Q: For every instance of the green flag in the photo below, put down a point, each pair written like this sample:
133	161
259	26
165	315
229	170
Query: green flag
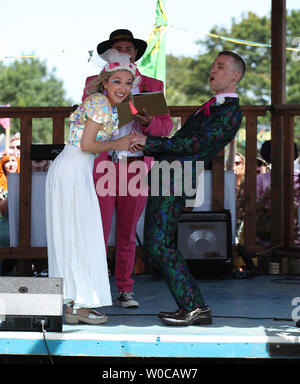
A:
154	59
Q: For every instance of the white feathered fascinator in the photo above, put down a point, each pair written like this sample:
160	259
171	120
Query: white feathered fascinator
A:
117	61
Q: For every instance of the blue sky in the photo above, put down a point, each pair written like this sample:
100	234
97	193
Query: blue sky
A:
63	31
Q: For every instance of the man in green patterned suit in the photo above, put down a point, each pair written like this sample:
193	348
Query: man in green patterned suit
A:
206	132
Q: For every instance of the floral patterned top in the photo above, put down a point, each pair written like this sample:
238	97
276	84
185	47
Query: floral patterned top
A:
97	108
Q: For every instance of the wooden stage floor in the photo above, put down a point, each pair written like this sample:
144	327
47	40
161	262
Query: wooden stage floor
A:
252	319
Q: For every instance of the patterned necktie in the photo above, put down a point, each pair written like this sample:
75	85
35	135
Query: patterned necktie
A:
206	106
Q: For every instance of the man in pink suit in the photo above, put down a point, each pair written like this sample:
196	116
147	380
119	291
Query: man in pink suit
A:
128	208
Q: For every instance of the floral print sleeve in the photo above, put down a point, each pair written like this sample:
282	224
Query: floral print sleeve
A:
97	108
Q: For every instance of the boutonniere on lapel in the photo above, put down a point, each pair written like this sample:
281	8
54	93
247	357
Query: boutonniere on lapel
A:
214	101
220	100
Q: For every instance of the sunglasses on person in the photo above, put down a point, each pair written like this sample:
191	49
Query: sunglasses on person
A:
237	162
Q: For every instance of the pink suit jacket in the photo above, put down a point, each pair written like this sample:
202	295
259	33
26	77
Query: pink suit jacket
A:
161	125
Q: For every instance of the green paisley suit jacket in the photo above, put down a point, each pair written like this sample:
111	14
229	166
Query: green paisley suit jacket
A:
203	135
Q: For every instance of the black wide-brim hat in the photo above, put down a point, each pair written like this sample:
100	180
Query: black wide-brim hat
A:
123	34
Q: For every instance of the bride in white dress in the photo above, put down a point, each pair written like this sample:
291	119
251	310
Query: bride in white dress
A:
76	249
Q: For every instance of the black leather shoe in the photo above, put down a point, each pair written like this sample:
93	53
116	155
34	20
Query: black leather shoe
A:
199	316
166	314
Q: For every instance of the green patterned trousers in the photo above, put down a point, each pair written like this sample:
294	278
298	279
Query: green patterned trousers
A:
160	228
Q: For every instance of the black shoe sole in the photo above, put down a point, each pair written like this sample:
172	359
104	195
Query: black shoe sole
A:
127	306
164	314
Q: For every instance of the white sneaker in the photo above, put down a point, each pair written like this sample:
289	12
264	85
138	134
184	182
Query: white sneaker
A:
126	300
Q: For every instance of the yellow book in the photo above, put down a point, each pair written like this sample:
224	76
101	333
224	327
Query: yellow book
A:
154	102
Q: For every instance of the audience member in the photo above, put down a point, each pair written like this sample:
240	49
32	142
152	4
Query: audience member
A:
239	168
261	166
15	144
263	200
9	163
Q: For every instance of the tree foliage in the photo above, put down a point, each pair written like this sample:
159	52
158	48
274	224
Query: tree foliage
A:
28	83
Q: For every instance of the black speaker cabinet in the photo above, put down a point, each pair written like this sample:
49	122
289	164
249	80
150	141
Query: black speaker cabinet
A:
205	240
45	151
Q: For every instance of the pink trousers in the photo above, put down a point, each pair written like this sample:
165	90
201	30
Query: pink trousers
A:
128	211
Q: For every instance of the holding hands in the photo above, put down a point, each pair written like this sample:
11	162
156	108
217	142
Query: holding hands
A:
138	142
124	143
133	142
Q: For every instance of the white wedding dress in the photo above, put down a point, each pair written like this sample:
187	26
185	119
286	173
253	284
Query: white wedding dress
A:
76	249
75	240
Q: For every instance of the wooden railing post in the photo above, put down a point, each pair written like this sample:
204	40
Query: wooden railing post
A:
251	114
250	181
58	130
278	96
25	183
288	181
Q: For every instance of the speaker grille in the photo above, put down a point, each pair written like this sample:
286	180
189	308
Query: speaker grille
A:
204	236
